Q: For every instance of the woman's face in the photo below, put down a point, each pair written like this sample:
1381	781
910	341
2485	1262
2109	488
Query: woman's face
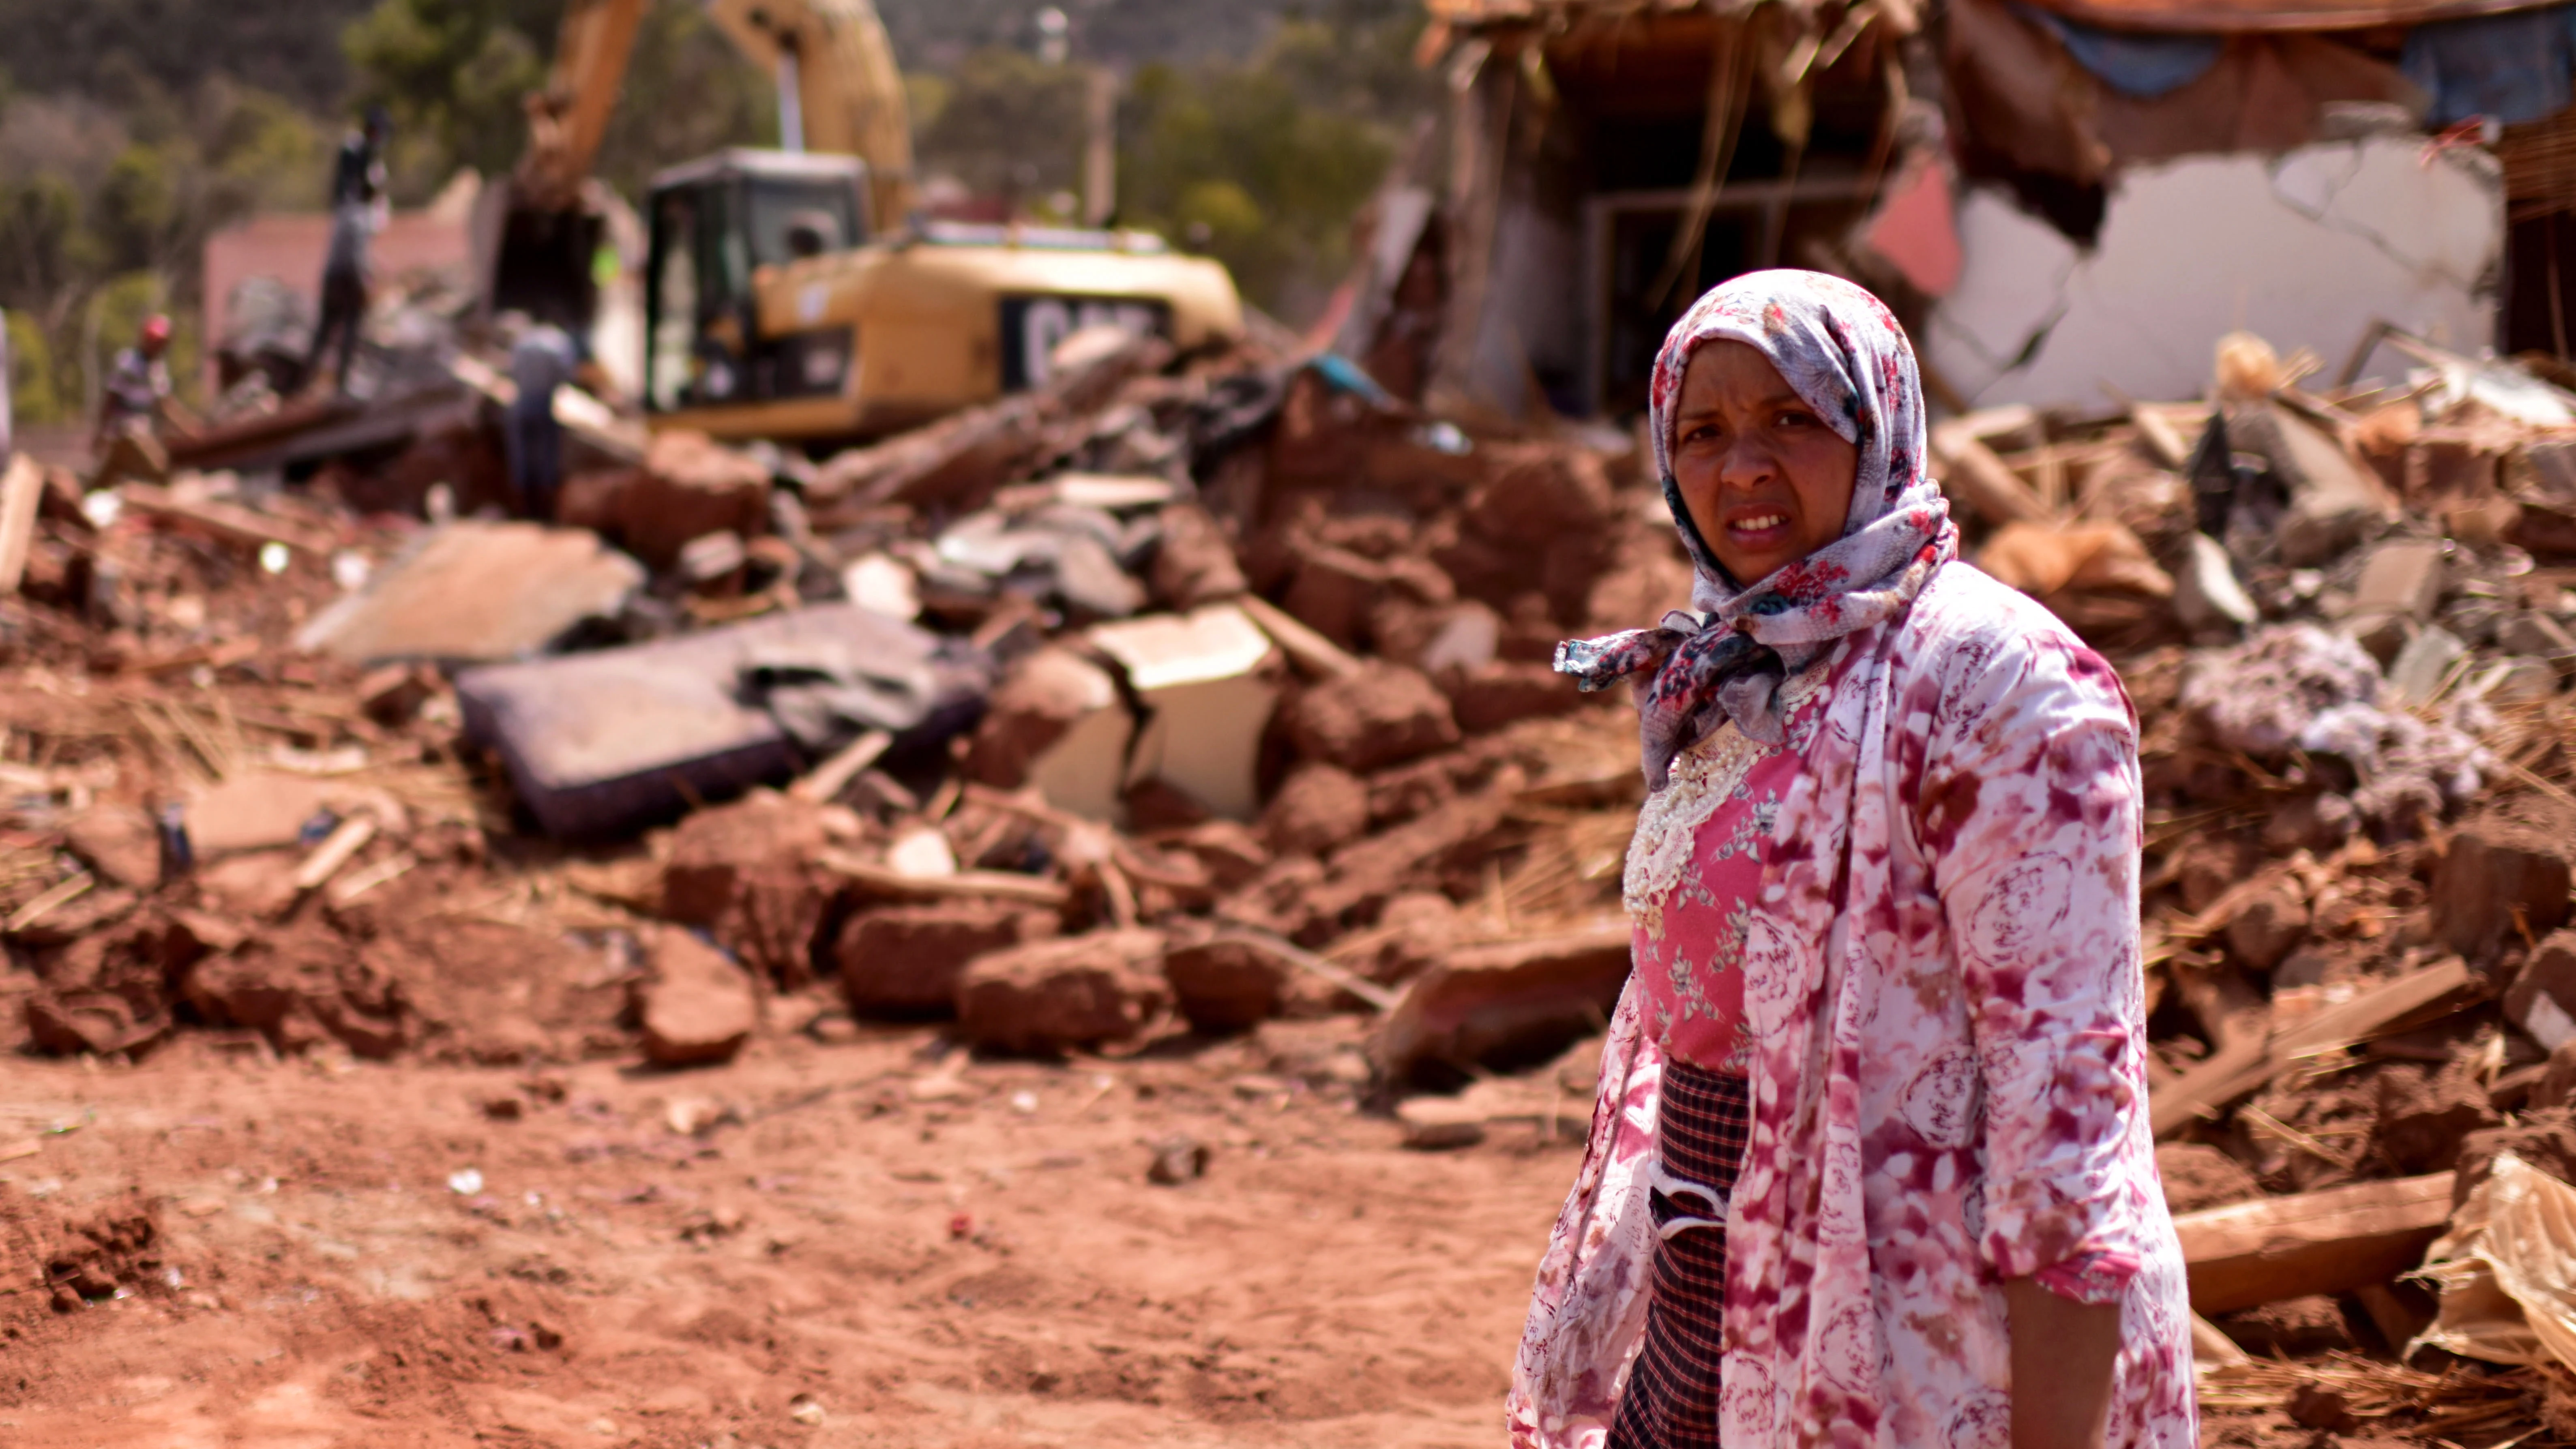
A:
1765	479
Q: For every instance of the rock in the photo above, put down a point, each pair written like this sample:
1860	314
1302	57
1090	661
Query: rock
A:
1500	1002
1089	580
715	850
2545	1137
2557	1084
2206	593
1366	872
2542	999
2520	680
2382	636
2197	1175
2401	576
257	812
1225	986
259	883
1438	1124
2315	823
1384	715
1502	692
1333	591
1177	1160
119	845
2424	1118
1318	807
2424	665
2533	633
1056	721
2312	1407
2268	927
905	959
2501	876
1049	996
1194	564
695	1007
745	872
2291	1328
97	1023
2332	497
689	487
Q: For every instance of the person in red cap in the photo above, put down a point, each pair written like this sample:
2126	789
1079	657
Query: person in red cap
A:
137	397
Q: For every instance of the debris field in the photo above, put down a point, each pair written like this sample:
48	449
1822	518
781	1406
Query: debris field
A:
1090	921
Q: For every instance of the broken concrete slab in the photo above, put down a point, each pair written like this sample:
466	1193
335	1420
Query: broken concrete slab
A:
2334	499
2402	576
2502	875
2305	248
608	741
475	592
2542	1000
2206	592
2424	666
1204	680
1057	722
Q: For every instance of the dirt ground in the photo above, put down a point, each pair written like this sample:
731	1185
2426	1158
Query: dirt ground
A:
873	1240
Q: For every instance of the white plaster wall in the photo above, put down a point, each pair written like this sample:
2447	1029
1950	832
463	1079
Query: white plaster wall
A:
2305	249
1530	319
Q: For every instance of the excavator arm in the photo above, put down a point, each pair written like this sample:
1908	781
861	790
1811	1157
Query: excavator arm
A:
569	118
838	85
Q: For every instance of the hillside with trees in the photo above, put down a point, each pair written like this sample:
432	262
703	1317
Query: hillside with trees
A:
1250	129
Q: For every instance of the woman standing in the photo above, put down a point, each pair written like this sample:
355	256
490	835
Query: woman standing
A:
1870	1163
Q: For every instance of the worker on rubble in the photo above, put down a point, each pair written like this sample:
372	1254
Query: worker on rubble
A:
137	394
543	357
359	209
1870	1161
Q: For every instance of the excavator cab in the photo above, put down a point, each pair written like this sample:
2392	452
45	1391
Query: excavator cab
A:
714	223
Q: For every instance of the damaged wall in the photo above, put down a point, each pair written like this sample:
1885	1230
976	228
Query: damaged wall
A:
2307	248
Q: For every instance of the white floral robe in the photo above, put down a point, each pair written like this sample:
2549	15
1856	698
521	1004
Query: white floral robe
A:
1949	1089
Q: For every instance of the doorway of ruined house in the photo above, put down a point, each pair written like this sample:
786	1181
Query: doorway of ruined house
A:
1630	238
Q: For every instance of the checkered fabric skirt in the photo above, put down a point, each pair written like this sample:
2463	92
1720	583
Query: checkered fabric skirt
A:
1671	1398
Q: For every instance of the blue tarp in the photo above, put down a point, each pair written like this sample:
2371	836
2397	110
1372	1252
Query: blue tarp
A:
2513	68
2144	66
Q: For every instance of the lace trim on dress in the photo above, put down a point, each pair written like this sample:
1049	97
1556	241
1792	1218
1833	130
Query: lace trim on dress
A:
1704	777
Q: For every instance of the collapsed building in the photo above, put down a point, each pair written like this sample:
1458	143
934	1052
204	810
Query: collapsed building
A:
2068	203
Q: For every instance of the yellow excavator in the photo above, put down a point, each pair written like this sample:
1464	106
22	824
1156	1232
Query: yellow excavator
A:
796	294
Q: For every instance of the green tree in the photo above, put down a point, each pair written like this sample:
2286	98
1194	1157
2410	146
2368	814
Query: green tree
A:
1263	164
35	390
1008	124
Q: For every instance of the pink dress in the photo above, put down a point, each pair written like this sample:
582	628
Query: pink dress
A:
1943	1040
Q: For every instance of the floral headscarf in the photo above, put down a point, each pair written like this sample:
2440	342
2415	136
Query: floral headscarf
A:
1843	353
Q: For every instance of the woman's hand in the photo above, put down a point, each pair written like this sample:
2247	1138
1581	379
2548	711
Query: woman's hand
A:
2062	1356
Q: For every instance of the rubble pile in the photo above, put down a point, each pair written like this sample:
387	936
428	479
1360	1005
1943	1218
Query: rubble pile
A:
2343	617
1181	694
1189	693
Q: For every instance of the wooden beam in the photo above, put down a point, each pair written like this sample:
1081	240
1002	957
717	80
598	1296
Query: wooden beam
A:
2248	1254
1972	474
2248	1061
1312	652
21	489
